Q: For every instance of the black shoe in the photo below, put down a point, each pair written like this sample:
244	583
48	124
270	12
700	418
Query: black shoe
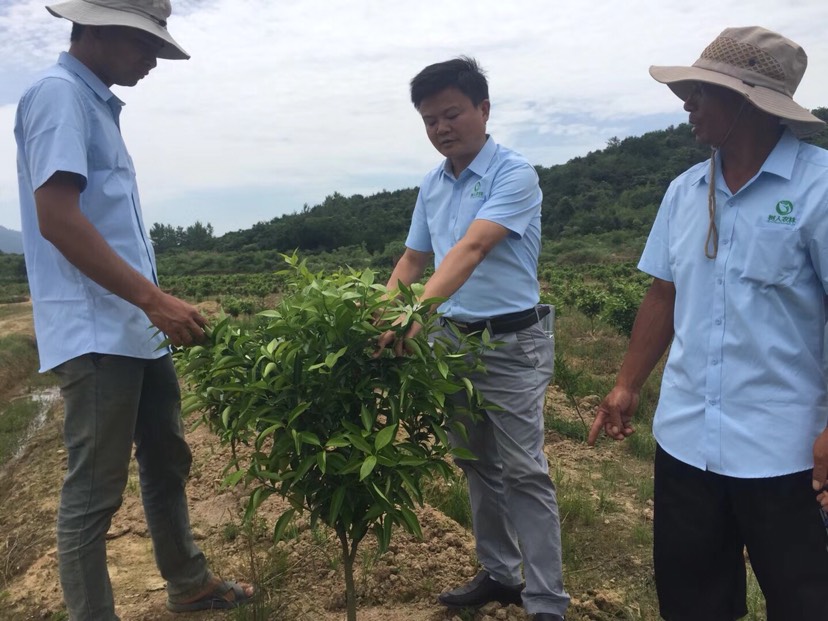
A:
482	590
547	616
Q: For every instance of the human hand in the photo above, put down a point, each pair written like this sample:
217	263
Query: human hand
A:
180	321
614	415
390	336
821	469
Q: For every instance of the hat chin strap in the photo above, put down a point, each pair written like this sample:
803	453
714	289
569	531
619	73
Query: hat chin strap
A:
712	231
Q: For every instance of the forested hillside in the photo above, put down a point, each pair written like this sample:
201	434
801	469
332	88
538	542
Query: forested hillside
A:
597	208
617	189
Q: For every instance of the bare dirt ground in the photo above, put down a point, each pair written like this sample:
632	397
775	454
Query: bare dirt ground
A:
302	577
16	319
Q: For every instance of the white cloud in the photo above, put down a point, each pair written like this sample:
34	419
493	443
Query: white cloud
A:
288	102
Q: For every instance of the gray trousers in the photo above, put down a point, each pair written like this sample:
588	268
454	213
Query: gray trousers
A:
112	402
514	506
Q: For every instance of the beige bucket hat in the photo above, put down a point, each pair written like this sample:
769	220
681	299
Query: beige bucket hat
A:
762	65
147	15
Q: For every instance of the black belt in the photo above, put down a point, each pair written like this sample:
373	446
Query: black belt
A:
511	322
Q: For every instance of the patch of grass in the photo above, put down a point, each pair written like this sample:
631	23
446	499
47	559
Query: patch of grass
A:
641	444
14	423
606	504
645	489
266	566
12	309
755	598
230	531
15	551
578	517
325	542
450	497
133	486
18	359
575	430
642	535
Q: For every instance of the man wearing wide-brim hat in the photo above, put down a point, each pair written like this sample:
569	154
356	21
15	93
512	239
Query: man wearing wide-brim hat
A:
739	258
93	282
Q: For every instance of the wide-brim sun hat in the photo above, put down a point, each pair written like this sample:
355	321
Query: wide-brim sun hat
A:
147	15
763	66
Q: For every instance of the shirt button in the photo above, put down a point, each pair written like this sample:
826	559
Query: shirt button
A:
713	402
715	362
719	281
725	242
718	322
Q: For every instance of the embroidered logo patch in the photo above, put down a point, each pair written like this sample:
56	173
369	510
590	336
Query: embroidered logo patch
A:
784	209
476	192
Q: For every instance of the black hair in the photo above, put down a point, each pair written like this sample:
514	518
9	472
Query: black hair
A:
77	31
462	73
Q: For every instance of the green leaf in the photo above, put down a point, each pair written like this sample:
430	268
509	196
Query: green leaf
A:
367	467
338	441
234	478
379	493
384	536
384	437
412	524
359	442
258	496
463	453
331	359
336	504
413	488
309	437
282	523
443	368
367	418
298	411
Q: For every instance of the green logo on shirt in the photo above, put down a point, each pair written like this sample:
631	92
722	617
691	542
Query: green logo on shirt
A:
476	193
784	209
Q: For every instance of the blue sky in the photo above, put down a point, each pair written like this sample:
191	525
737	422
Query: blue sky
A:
285	103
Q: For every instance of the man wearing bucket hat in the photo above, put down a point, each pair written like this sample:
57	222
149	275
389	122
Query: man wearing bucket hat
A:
94	291
739	256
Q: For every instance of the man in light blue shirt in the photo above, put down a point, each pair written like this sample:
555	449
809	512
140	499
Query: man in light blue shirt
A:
478	216
100	318
739	256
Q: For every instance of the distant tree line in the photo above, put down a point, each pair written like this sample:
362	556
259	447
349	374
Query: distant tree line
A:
596	208
195	237
614	190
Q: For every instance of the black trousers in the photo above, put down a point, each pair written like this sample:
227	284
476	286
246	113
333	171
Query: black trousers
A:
703	523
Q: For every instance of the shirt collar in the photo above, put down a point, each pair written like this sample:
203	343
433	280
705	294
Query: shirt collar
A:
480	164
73	65
780	161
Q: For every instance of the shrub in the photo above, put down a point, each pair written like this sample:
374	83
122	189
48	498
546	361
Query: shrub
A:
339	433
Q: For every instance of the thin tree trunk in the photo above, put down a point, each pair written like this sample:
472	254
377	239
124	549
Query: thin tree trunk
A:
348	556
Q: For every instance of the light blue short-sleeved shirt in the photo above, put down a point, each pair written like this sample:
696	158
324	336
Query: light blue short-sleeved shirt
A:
68	121
744	390
499	186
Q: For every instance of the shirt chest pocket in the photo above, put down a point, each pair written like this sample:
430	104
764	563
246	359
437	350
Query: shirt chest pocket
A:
107	151
773	258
